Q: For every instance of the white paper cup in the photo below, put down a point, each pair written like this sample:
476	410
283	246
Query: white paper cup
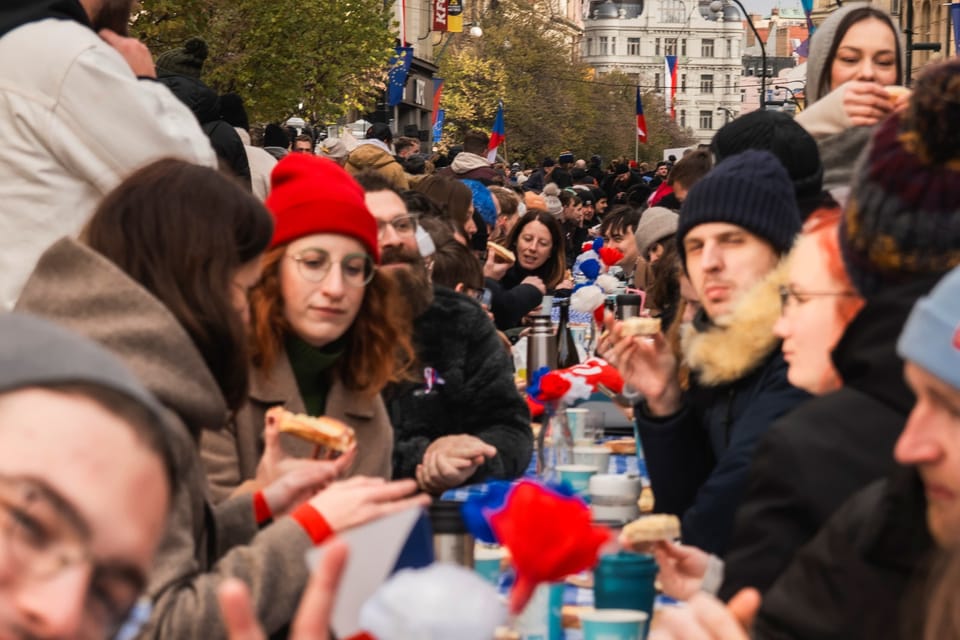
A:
577	476
613	497
613	624
577	421
592	456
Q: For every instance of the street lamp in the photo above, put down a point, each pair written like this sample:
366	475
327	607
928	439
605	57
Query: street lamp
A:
717	6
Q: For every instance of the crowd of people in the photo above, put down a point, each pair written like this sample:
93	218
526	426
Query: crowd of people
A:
165	282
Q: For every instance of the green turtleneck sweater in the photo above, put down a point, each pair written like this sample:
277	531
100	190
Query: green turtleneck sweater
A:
311	367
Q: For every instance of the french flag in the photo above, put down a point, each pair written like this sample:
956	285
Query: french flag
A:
497	136
670	85
641	121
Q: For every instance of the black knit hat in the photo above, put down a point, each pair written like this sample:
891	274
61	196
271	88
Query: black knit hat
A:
778	133
186	60
751	190
903	217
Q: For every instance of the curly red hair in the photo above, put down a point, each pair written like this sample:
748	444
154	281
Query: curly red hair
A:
379	349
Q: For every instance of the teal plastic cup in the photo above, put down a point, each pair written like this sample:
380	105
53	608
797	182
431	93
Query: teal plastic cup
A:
578	477
625	581
614	624
487	560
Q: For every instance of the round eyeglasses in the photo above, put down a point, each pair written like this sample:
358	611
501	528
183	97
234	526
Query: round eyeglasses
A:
356	269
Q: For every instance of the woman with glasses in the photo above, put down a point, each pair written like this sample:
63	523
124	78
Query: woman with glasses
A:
324	340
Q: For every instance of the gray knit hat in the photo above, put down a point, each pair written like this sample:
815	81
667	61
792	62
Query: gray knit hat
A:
655	224
931	337
186	60
37	353
751	190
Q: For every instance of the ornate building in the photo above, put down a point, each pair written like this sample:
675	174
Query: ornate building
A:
634	37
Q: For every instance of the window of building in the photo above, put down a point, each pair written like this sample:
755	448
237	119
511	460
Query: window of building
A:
656	82
706	119
604	45
729	83
706	83
683	118
589	46
706	48
672	11
683	46
669	46
613	46
656	46
683	82
633	46
730	48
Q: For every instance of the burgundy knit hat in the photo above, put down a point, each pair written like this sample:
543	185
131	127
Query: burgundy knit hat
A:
314	195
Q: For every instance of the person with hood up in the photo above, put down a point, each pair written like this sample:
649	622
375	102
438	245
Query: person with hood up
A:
375	153
261	161
80	112
471	163
855	56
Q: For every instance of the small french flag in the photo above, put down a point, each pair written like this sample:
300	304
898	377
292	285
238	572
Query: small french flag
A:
497	136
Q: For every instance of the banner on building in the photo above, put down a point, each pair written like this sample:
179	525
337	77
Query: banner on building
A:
438	117
399	70
455	16
439	15
497	135
670	85
437	96
641	121
955	17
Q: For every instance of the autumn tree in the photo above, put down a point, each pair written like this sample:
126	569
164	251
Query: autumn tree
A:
552	102
330	56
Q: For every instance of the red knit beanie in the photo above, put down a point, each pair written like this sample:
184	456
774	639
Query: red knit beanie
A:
314	195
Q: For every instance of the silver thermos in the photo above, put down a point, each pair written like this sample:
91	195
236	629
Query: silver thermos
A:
628	305
452	542
541	341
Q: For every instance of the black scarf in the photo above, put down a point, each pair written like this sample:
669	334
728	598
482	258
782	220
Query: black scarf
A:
16	13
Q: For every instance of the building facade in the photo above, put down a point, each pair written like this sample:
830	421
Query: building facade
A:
634	37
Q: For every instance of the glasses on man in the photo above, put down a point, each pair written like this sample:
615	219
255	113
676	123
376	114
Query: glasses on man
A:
483	296
790	295
404	225
40	538
356	269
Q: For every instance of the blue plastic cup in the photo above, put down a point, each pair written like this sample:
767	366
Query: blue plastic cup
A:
625	581
613	624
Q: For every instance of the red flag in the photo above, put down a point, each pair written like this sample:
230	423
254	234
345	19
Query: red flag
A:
641	120
498	135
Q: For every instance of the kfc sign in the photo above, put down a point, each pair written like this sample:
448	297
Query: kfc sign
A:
440	15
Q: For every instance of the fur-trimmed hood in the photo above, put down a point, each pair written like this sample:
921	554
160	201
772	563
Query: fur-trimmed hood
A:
736	344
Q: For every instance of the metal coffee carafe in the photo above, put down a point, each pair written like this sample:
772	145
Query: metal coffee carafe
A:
541	341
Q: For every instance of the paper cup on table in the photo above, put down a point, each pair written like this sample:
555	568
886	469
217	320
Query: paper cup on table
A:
613	624
488	560
592	456
577	421
577	476
613	497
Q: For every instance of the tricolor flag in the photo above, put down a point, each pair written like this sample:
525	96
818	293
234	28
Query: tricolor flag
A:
437	96
641	121
670	86
497	136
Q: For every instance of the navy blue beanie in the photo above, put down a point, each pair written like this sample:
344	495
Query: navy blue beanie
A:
751	190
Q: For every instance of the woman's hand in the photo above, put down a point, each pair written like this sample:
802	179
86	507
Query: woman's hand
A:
682	568
493	269
287	481
866	102
647	364
313	615
449	461
535	282
705	618
359	500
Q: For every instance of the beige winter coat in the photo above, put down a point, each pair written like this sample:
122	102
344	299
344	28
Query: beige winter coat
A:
371	156
85	292
230	455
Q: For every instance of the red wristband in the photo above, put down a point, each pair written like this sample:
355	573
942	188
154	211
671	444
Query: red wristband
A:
312	522
261	510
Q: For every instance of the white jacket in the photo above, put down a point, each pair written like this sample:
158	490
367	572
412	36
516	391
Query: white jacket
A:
74	122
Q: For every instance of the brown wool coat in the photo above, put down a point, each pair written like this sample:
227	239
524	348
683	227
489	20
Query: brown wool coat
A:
230	455
81	290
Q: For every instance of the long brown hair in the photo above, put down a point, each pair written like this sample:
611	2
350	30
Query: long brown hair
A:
555	268
378	351
182	231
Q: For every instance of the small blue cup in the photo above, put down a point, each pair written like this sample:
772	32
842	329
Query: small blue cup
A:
625	581
614	624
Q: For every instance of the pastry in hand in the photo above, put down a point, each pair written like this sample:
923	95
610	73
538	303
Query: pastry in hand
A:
652	528
640	326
